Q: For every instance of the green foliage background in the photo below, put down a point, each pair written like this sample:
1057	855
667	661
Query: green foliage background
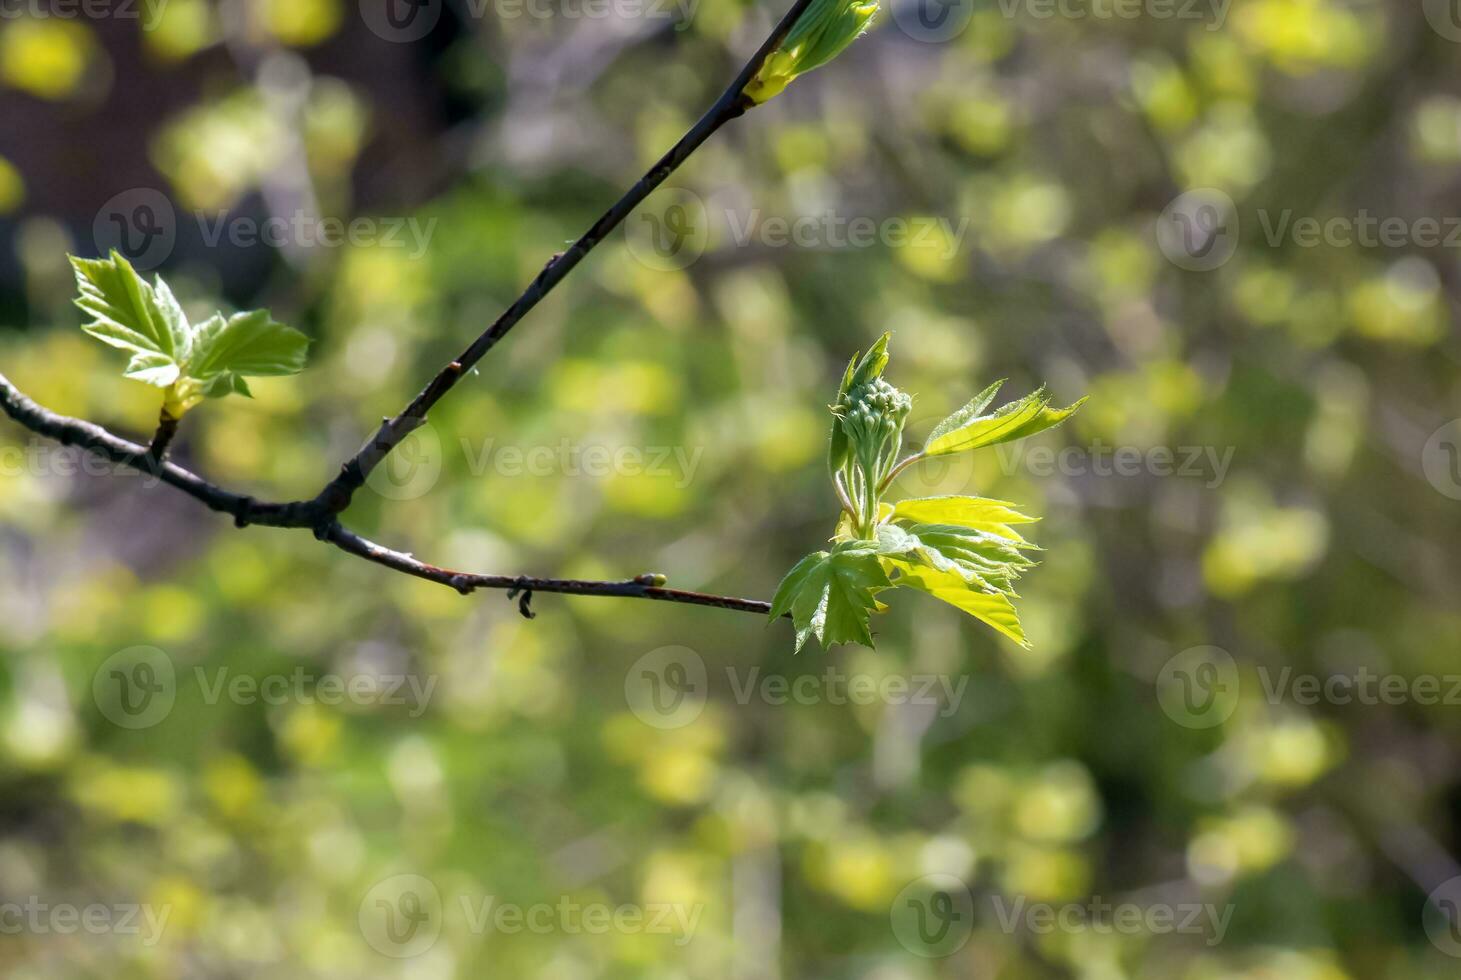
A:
1323	547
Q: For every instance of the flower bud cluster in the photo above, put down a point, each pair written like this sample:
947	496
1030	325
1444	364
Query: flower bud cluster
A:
872	414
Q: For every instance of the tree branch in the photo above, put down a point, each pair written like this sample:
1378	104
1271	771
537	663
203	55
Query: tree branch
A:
732	104
468	582
320	514
246	510
87	435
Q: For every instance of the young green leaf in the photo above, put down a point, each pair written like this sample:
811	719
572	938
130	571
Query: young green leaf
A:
129	314
979	513
870	368
996	610
837	444
893	540
1010	422
247	344
226	384
155	369
968	413
820	34
190	363
832	594
984	560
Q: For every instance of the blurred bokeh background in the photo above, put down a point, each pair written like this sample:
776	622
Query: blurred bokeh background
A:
1233	225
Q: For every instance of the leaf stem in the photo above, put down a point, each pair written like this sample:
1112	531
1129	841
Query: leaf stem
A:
842	497
893	473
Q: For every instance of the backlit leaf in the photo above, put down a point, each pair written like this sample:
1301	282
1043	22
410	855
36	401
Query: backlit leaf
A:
994	609
129	314
1010	422
831	595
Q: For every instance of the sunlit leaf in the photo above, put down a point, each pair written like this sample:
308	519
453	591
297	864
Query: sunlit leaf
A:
994	609
968	413
980	513
1010	422
831	595
154	369
190	363
247	344
983	560
128	313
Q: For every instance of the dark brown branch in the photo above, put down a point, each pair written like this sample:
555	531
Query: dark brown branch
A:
167	430
308	514
468	582
77	432
320	513
732	104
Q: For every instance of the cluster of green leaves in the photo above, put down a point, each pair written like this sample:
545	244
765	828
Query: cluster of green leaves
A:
963	550
190	362
819	35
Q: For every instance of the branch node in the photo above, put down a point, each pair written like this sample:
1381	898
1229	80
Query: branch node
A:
241	512
463	584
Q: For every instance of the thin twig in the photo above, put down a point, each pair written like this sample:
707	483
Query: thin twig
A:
732	104
468	582
307	514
